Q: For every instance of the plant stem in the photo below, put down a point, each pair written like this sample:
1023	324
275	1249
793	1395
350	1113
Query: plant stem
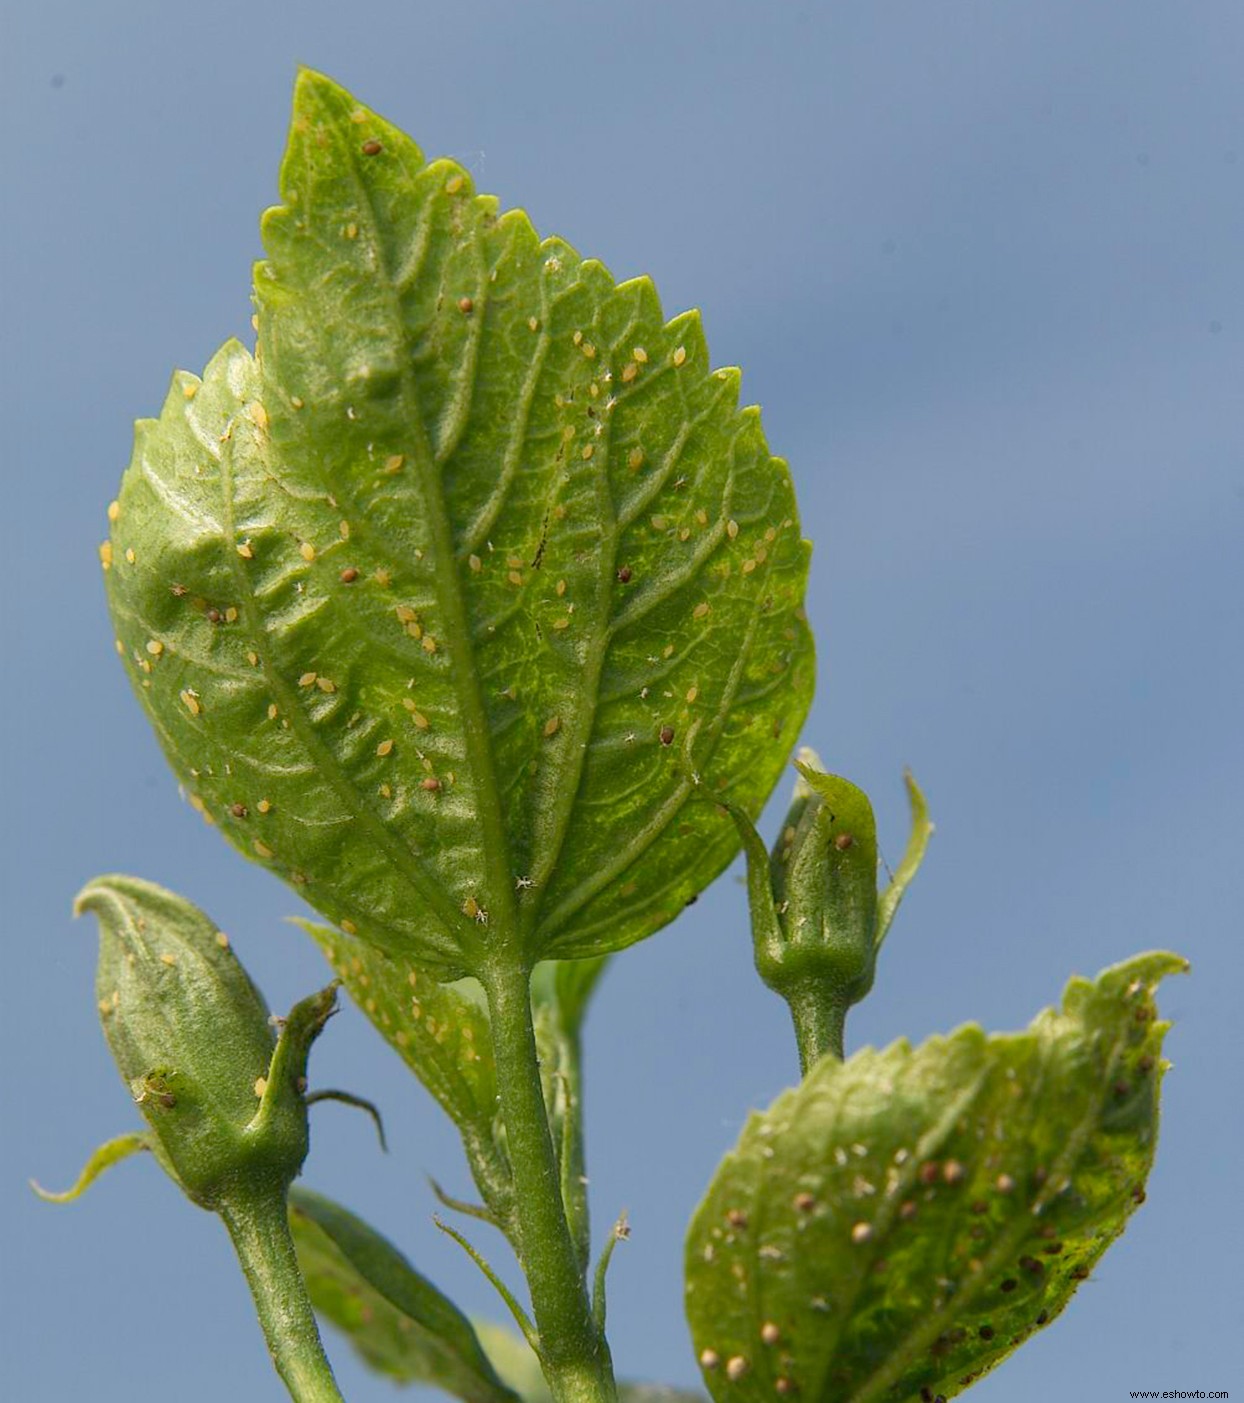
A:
573	1353
259	1228
820	1022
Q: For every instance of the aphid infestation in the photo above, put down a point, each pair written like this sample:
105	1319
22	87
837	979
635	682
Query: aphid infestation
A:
470	603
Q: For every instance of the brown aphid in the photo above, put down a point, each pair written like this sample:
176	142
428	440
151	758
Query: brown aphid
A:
930	1172
736	1218
239	810
624	575
214	616
430	783
348	575
1008	1285
1043	1317
1032	1265
986	1332
805	1202
667	735
371	147
466	305
844	841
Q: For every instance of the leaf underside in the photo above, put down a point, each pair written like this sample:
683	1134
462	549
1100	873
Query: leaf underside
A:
457	603
400	1324
899	1223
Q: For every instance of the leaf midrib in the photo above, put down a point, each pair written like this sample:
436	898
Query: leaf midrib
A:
448	586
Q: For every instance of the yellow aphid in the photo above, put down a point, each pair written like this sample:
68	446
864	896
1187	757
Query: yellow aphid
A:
307	679
307	551
635	459
640	355
393	462
105	554
475	563
190	389
155	647
453	185
384	747
245	551
629	371
325	685
231	615
262	848
264	806
222	940
699	611
429	643
114	511
190	702
552	725
732	528
680	355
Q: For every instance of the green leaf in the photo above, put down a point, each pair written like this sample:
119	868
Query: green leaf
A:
899	1223
397	1321
452	605
441	1031
518	1366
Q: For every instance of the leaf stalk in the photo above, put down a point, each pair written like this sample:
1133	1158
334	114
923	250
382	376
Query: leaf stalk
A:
573	1352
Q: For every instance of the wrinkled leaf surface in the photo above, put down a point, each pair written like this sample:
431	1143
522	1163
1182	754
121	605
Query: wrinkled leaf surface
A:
902	1221
454	604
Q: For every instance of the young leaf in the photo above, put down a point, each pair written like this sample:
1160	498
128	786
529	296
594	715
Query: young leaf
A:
441	606
899	1223
398	1321
441	1032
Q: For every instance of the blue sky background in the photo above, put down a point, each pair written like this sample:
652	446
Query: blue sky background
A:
981	263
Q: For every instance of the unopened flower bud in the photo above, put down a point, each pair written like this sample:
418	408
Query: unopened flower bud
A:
194	1043
818	919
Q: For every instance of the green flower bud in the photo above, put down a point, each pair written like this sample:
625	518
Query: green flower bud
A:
195	1045
818	919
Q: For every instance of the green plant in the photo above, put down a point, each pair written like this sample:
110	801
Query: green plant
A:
471	605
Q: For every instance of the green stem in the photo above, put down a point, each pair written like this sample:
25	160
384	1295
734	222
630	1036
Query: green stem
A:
573	1353
259	1227
820	1022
